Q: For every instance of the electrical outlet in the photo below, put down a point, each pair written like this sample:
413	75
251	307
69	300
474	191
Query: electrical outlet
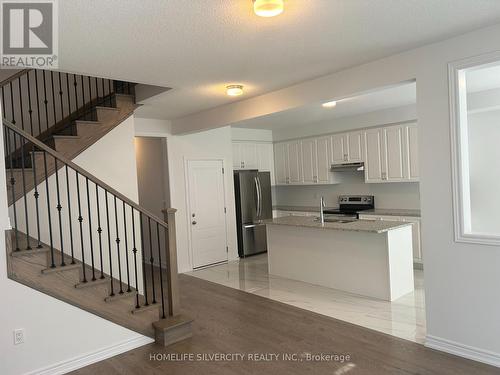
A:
18	336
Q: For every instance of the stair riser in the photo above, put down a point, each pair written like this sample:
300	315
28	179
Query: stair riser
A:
88	130
124	101
106	116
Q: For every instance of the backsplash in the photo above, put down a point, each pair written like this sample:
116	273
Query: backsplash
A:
389	195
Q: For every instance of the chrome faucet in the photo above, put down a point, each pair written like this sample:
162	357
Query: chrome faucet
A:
321	213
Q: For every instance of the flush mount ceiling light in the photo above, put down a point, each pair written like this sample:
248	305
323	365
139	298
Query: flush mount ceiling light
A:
267	8
234	90
331	104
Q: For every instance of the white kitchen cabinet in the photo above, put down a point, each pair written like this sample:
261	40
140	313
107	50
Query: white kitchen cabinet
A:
237	161
355	147
265	159
339	148
282	172
309	161
393	159
411	142
245	155
373	152
416	239
324	159
295	162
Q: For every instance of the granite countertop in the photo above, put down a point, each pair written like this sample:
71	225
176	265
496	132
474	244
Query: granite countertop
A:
370	226
302	208
392	212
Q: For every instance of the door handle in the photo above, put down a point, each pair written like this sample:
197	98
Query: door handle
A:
193	222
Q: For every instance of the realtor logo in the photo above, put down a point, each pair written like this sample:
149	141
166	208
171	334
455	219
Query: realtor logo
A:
29	34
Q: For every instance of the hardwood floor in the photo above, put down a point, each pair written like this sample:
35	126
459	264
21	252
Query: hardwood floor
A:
231	321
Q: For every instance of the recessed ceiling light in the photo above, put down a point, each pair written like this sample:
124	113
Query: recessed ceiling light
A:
268	8
330	104
234	90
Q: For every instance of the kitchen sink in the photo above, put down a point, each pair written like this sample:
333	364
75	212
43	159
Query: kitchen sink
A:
337	220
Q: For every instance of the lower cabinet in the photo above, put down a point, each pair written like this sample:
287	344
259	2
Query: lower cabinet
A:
417	245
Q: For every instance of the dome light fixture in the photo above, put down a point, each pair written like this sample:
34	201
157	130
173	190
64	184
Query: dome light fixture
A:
234	90
331	104
268	8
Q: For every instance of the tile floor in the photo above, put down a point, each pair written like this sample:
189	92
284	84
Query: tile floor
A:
404	318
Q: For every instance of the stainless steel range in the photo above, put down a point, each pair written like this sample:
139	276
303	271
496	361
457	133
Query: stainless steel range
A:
349	206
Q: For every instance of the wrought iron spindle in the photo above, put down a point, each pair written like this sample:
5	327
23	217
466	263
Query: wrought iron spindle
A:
61	95
110	91
68	93
53	96
145	285
47	193
4	114
70	217
12	185
12	104
36	195
90	89
134	250
90	229
30	109
26	217
45	101
38	103
80	220
20	102
109	244
118	247
97	90
59	208
75	85
126	246
99	229
83	91
151	261
160	270
103	89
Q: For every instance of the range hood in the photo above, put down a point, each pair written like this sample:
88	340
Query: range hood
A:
348	167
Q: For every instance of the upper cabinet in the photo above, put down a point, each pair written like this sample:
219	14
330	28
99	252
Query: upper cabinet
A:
254	155
281	170
295	162
347	148
391	154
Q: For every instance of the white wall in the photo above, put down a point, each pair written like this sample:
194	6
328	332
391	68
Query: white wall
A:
214	144
257	135
56	332
461	280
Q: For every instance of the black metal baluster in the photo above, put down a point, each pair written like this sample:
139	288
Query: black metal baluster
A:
110	91
103	89
30	110
4	115
59	208
160	270
21	103
80	219
53	96
70	217
151	261
99	229
90	230
126	246
75	84
45	101
145	285
109	244
90	89
97	90
12	184
28	246
134	250
36	195
38	102
12	104
61	95
83	91
118	247
68	93
47	193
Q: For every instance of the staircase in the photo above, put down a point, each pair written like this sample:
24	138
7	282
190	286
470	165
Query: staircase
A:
74	237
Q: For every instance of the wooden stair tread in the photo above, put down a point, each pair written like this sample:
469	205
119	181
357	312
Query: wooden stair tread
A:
119	296
59	268
151	306
20	253
91	283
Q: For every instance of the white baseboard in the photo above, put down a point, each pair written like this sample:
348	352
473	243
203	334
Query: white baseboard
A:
92	357
469	352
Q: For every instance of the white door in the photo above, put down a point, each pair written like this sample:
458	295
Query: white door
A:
207	219
249	155
339	149
295	162
281	163
323	147
373	159
393	139
237	161
412	152
355	149
309	162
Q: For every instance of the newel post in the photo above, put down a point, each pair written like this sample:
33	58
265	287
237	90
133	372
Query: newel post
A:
172	273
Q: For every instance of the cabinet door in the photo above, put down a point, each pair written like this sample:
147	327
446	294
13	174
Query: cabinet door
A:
309	161
393	147
249	155
281	163
265	157
339	149
295	162
412	152
237	162
323	152
373	158
355	149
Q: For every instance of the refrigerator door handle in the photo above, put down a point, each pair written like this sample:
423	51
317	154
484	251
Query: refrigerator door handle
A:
257	191
260	196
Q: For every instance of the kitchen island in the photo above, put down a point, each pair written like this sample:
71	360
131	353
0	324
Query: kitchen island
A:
369	258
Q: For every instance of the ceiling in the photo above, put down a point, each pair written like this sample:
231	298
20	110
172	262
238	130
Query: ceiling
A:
196	47
314	113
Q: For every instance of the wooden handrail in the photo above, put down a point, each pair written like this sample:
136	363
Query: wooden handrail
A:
14	76
83	172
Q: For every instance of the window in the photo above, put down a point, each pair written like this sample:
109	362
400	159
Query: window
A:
475	129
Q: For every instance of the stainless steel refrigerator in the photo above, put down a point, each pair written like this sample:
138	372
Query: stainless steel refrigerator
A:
253	205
